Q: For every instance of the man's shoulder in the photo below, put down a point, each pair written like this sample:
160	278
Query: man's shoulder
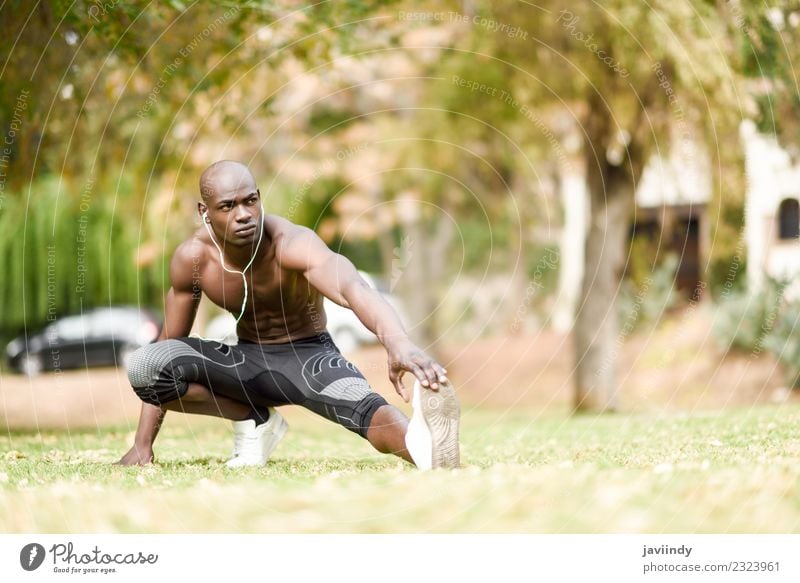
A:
192	251
295	245
283	230
279	225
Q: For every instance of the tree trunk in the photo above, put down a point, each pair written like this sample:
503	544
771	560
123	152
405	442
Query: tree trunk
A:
520	244
385	234
596	328
412	272
611	189
438	277
419	271
572	246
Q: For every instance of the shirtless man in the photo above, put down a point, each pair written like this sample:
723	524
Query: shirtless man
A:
284	354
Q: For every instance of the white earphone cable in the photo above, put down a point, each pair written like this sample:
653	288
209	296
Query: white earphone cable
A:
222	259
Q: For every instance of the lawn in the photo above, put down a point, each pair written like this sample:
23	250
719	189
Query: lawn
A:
735	471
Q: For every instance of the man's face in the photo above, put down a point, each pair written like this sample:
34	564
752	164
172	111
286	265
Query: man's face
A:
235	214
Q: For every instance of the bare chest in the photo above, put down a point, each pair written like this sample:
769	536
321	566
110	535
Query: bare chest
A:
268	287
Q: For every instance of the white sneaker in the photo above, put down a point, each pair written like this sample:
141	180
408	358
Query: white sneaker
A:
432	435
253	445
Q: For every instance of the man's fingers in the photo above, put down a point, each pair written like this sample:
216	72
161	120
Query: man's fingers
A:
419	372
397	381
401	389
441	372
426	365
430	373
427	376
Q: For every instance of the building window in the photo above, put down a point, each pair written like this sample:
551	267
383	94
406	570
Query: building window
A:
789	219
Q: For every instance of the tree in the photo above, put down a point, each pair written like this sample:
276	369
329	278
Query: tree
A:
110	111
629	74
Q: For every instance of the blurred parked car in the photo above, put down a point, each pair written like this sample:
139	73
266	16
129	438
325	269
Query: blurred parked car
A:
98	337
344	326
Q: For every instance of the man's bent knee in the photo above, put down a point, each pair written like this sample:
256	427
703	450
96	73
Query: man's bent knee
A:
364	412
153	375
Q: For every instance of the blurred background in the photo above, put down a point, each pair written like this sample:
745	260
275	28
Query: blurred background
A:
575	206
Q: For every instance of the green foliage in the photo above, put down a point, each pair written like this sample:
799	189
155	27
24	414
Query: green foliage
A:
643	255
762	48
765	321
66	251
316	201
645	301
728	262
765	121
768	42
365	255
744	320
783	342
483	243
326	119
543	266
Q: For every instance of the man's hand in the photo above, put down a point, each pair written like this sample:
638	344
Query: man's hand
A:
405	356
137	456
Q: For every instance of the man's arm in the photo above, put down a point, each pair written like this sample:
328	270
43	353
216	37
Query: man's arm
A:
336	278
179	313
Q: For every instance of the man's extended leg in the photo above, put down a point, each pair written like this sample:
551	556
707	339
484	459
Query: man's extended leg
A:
317	376
430	439
387	431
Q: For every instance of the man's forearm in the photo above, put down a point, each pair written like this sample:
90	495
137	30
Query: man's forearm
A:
150	421
150	418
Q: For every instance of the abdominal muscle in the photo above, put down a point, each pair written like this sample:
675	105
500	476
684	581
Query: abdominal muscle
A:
276	312
270	326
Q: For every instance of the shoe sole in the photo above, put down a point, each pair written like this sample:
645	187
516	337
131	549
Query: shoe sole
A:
442	412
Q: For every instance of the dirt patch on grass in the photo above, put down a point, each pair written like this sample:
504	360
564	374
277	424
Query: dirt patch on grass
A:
673	365
69	399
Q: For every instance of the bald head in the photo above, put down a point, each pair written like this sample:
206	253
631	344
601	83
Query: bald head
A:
226	177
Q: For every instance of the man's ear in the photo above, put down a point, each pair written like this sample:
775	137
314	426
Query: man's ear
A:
201	208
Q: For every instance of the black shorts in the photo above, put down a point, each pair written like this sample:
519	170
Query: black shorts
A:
310	372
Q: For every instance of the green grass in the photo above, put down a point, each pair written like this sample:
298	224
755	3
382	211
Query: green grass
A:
723	472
